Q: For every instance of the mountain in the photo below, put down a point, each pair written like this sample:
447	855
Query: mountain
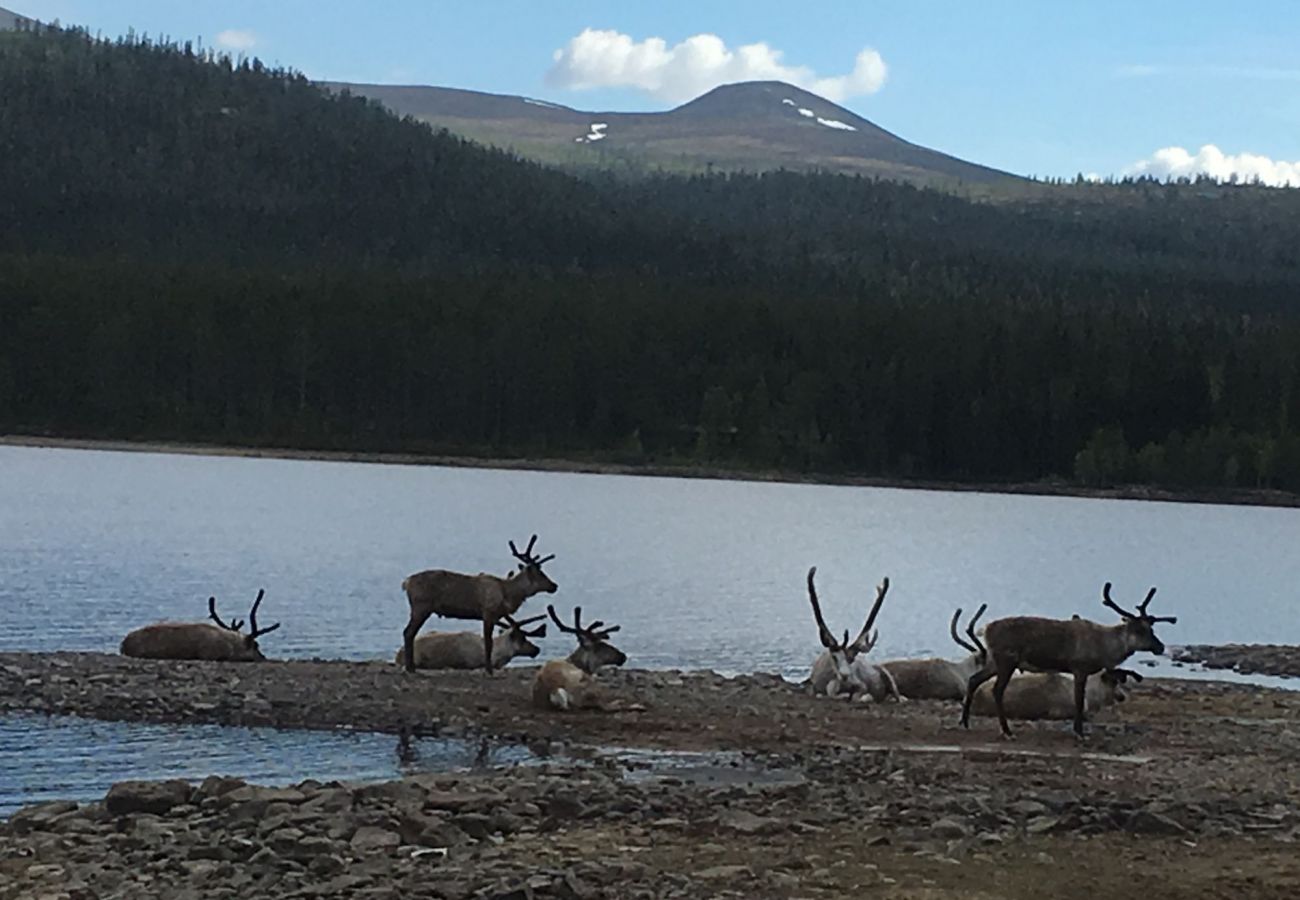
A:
10	21
755	126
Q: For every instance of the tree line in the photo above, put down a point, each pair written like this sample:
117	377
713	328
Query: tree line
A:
198	248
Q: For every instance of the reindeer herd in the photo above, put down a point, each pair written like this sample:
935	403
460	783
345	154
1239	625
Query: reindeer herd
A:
1040	668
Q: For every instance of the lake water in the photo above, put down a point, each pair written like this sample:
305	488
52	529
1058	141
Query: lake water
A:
700	574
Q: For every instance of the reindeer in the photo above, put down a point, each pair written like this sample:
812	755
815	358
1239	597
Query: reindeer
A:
1075	646
482	596
842	666
464	650
1050	695
199	640
941	679
565	684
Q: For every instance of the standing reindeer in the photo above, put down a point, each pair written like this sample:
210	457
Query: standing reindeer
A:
842	667
464	650
482	596
941	679
199	640
1075	646
565	684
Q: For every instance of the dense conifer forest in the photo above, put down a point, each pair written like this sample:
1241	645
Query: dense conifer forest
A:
196	248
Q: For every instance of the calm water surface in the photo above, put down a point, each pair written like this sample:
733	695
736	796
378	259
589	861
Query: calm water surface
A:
699	573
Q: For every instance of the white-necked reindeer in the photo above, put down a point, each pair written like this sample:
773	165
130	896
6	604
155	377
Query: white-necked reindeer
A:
464	649
566	684
941	679
842	668
1050	695
483	596
200	640
1074	646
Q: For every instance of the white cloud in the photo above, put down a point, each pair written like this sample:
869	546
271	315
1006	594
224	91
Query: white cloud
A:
1210	160
236	39
611	59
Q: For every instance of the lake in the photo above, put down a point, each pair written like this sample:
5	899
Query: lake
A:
699	573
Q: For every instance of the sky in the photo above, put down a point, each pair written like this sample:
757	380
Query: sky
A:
1036	87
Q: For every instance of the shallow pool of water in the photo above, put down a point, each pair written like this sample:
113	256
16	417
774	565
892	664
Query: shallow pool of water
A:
67	758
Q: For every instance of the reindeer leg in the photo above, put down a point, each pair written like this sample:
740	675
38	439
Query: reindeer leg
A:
1080	691
413	626
999	691
972	685
488	625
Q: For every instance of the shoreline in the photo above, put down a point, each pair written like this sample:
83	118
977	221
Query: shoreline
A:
1261	497
815	798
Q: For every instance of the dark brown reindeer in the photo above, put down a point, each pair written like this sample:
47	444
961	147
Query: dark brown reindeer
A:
199	640
1074	646
486	597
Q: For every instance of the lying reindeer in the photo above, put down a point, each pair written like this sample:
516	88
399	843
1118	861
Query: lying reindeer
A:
482	596
940	679
1075	646
199	640
571	683
843	667
1050	695
464	650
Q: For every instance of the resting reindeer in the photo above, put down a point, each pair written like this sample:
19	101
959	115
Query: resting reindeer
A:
842	667
464	649
940	679
199	640
1076	646
1050	695
570	683
482	596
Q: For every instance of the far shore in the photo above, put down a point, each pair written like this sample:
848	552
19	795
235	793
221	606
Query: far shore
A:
1222	496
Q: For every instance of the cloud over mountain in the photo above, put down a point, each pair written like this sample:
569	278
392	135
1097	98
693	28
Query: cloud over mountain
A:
237	39
608	58
1210	160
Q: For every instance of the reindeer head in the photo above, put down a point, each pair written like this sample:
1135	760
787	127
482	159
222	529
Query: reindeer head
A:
1114	682
1138	626
517	635
844	652
975	646
251	650
530	569
594	649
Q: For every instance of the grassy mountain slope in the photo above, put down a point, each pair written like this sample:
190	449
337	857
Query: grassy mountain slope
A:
754	126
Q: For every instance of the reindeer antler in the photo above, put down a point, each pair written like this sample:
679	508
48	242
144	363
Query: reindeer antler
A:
527	557
234	625
1141	610
511	622
862	641
252	618
970	631
824	633
1106	601
952	630
592	632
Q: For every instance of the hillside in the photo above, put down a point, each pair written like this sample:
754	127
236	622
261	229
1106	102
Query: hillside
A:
754	126
197	249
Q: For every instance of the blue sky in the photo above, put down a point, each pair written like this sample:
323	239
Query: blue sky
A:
1045	88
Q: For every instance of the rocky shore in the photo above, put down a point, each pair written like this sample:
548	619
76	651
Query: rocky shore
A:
1187	789
1249	659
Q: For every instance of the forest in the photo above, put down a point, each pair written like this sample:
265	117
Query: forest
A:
199	248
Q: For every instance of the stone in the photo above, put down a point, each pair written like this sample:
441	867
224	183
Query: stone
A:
1145	821
371	839
155	797
40	816
725	872
744	822
949	828
476	825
